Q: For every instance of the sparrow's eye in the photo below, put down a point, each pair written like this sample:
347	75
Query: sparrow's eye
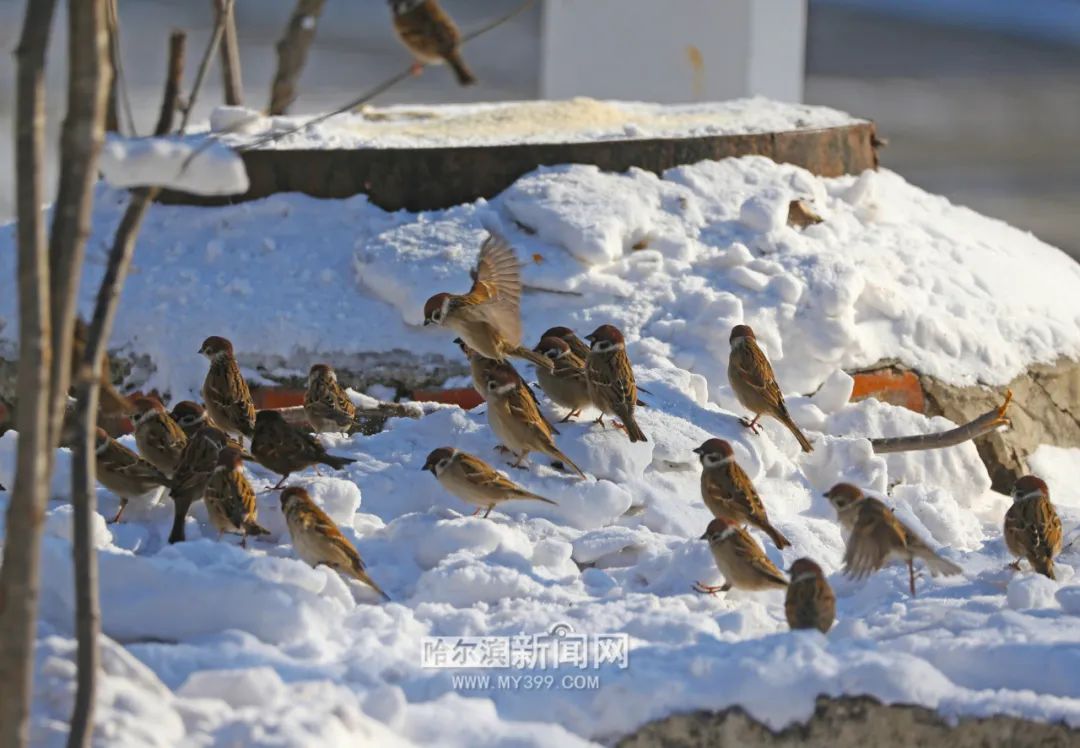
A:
442	464
493	385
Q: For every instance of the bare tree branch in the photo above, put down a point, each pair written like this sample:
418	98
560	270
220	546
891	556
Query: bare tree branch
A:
119	80
292	51
19	573
230	53
984	424
173	80
204	65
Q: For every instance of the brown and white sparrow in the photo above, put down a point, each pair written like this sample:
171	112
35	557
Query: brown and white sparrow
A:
225	391
566	385
326	405
430	35
1032	526
729	493
230	499
479	366
740	559
283	448
516	419
877	536
197	463
810	603
159	438
752	380
577	346
488	318
123	472
110	401
317	540
474	481
189	416
610	379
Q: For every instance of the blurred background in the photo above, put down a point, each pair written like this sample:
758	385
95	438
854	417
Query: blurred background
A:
979	99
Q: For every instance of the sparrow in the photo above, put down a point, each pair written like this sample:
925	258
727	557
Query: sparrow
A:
566	385
740	559
479	366
754	384
810	602
729	493
1032	526
577	346
110	401
488	318
230	499
197	463
317	540
159	438
610	379
189	416
430	35
283	448
225	392
326	405
516	419
876	536
474	481
123	472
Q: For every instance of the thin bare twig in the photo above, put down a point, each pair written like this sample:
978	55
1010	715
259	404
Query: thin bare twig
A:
115	56
984	424
230	54
204	65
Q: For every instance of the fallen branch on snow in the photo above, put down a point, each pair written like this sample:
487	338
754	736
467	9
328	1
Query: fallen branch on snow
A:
984	424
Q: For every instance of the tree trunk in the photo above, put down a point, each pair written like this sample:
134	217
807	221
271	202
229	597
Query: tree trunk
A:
174	79
230	52
22	548
292	51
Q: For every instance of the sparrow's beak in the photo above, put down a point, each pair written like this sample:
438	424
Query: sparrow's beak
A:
697	450
429	466
459	341
704	535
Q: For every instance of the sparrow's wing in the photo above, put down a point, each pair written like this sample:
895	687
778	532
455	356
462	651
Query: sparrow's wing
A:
495	296
756	371
736	484
613	377
479	473
165	435
123	461
1047	519
329	403
876	534
336	549
522	404
747	549
230	391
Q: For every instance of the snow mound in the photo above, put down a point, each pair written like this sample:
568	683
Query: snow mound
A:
208	168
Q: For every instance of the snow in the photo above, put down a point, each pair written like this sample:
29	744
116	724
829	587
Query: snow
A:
207	643
174	164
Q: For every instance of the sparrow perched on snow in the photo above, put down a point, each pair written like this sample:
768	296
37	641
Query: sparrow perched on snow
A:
479	366
283	448
566	385
729	493
326	405
488	318
110	401
197	463
740	559
876	536
430	35
810	603
159	438
225	392
610	379
317	540
230	499
754	384
189	416
1032	526
577	346
474	481
123	472
516	419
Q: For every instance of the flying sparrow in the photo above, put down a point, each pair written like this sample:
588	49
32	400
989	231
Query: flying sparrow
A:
729	493
230	499
326	405
317	540
566	385
474	481
754	384
225	392
876	536
197	463
110	401
610	379
1032	526
516	419
577	346
488	318
430	35
189	416
123	472
740	559
810	602
159	438
283	448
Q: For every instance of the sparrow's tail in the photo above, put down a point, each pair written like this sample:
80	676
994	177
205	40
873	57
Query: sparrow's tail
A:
939	565
1044	565
363	577
632	429
775	536
566	461
528	495
251	527
532	357
464	75
335	461
799	435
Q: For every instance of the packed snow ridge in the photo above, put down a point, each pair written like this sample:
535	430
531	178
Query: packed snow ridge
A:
210	643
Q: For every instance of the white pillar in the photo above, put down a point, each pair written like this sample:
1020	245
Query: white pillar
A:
673	51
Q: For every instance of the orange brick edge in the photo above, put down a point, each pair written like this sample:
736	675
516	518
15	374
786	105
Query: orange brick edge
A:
891	386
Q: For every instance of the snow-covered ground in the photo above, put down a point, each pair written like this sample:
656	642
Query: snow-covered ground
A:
208	643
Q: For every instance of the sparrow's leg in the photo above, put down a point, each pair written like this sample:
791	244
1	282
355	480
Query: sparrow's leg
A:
417	68
280	483
711	589
243	540
502	449
478	510
600	419
752	425
317	471
517	463
570	415
1014	565
911	576
488	511
618	425
119	512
